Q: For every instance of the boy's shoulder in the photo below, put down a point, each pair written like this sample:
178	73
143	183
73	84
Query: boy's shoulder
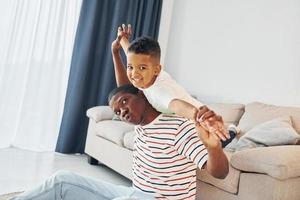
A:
163	86
163	78
164	75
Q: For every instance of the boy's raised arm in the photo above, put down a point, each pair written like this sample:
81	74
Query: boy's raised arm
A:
120	72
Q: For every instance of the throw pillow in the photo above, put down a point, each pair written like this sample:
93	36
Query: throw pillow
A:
275	132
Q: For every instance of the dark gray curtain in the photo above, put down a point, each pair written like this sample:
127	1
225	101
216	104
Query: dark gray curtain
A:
92	74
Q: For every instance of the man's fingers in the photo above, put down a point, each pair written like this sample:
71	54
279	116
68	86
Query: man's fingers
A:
201	130
214	123
124	27
226	133
215	136
125	31
120	30
119	37
220	135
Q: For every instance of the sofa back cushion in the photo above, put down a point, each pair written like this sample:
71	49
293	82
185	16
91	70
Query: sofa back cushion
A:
113	131
257	113
128	140
231	113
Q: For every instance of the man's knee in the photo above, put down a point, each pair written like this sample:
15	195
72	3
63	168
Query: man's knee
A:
62	176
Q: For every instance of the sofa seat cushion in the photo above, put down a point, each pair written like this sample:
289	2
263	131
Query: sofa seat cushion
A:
281	162
257	113
113	131
129	140
231	113
229	184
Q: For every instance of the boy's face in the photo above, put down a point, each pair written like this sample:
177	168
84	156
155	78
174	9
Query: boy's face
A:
129	107
142	69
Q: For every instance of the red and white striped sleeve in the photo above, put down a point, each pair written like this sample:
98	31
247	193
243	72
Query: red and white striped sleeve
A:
188	144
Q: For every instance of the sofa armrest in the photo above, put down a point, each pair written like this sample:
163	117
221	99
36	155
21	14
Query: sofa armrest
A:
100	113
281	162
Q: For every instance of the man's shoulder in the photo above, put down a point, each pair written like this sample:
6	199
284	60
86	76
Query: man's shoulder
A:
165	120
172	116
175	118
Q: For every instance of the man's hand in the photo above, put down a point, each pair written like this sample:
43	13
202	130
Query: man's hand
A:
123	35
217	163
116	45
124	32
211	122
209	139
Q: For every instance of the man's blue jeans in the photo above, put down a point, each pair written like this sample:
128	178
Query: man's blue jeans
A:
70	186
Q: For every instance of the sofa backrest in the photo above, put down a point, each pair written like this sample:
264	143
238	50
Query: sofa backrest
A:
257	113
231	113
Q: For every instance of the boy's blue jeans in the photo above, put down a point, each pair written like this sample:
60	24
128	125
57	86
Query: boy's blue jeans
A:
70	186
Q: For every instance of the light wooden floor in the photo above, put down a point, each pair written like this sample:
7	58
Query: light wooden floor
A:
21	169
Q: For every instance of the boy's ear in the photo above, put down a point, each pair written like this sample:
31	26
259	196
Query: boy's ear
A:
157	69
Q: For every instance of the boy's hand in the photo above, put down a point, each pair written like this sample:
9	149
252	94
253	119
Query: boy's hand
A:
211	122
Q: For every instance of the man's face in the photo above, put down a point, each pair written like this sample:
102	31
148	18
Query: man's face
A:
129	107
142	69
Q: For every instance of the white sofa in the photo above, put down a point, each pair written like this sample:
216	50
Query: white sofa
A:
264	173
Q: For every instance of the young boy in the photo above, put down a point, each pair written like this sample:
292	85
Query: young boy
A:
164	94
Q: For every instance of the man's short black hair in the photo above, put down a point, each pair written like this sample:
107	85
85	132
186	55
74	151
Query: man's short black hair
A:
128	88
145	45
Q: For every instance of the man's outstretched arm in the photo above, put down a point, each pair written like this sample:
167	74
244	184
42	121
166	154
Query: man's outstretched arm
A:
217	163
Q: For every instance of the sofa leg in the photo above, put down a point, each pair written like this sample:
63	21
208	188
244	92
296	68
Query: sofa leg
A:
92	161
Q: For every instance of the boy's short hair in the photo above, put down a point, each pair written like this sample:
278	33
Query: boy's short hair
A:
128	88
145	45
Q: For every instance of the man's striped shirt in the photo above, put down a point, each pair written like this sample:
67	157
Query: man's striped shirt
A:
166	155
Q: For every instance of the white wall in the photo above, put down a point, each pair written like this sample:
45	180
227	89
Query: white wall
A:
234	50
165	27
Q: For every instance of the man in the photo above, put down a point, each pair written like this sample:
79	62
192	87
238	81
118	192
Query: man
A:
167	151
168	148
